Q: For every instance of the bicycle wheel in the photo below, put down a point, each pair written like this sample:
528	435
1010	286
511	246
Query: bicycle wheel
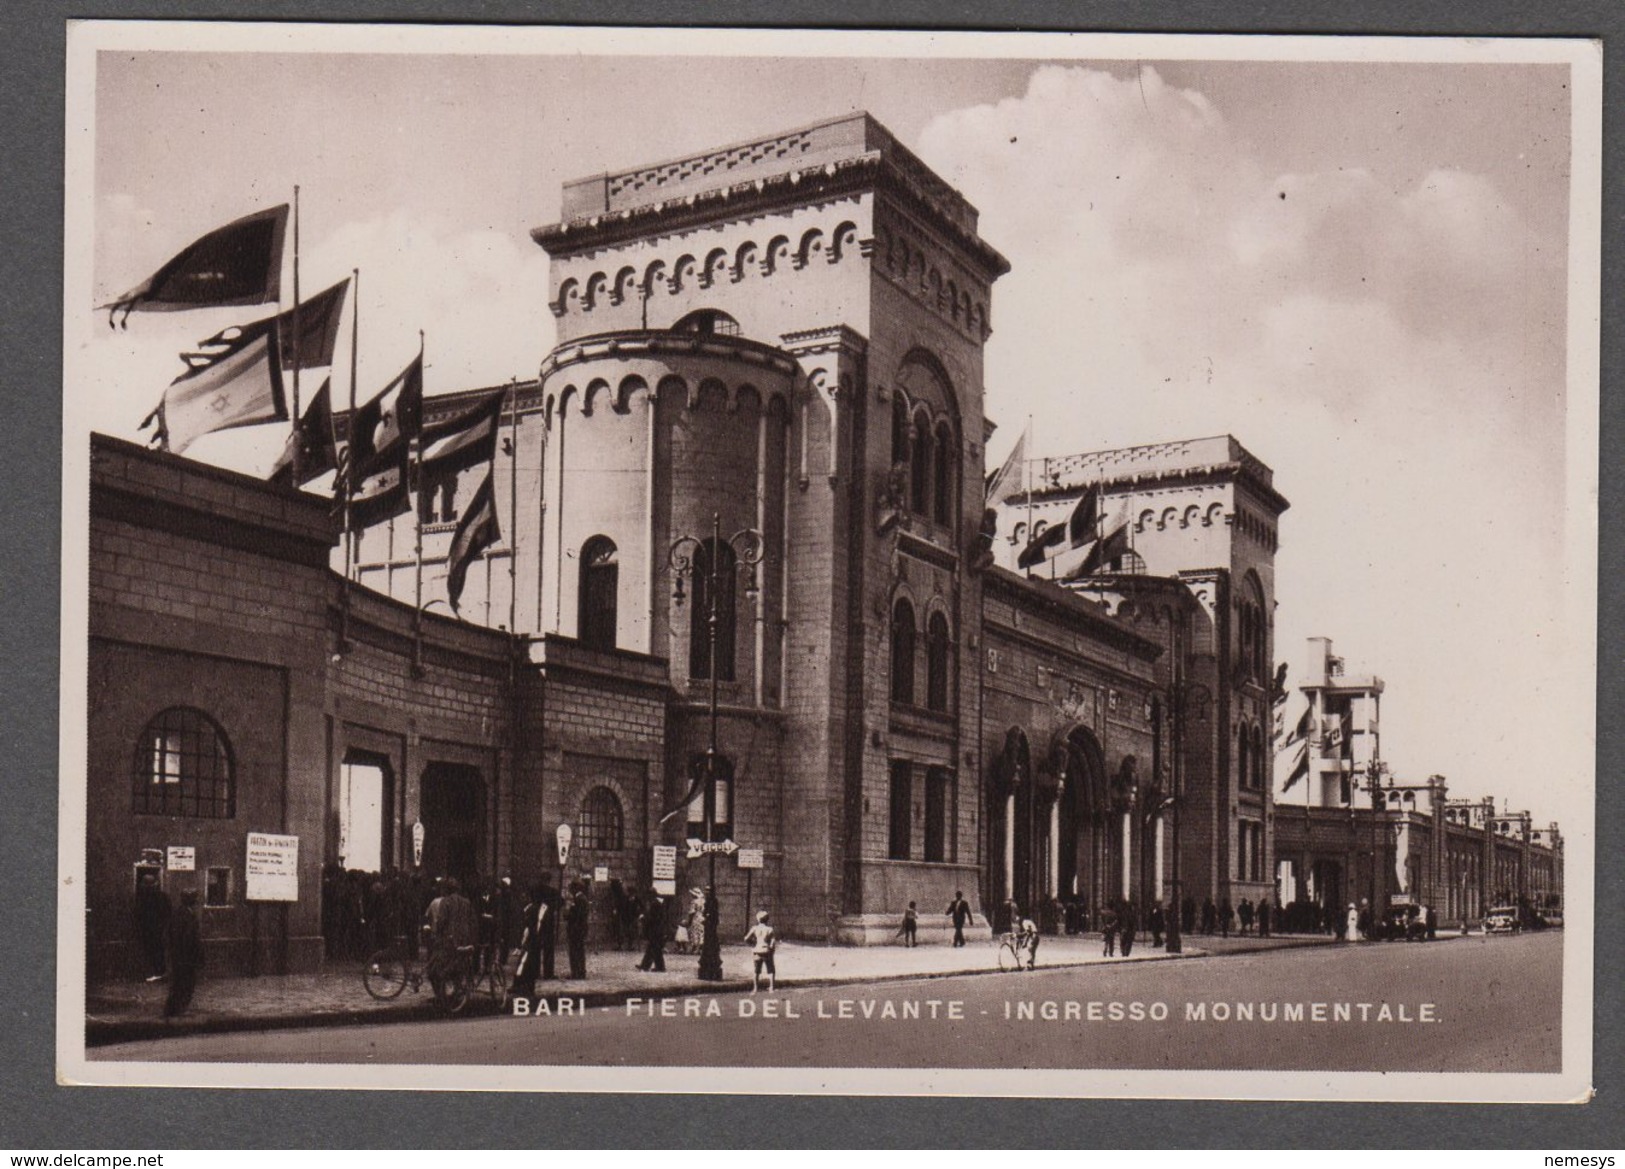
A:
495	982
454	992
1008	958
384	975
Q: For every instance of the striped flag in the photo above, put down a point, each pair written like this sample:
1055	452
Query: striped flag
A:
238	264
464	441
477	530
239	386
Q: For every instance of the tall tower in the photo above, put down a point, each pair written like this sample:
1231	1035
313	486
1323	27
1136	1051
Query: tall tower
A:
784	335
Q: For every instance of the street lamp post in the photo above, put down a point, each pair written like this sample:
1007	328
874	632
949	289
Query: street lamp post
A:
746	545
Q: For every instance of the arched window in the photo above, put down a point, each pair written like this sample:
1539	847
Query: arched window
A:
599	824
899	430
1243	774
699	637
708	320
600	582
902	651
920	467
936	663
943	464
183	767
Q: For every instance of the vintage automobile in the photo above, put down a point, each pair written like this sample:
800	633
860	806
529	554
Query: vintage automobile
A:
1502	919
1407	921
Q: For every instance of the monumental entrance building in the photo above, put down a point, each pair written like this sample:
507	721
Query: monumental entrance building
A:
766	399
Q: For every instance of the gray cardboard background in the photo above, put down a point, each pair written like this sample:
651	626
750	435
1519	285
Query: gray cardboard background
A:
37	1115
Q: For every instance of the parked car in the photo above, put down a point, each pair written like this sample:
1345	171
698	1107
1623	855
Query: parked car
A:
1502	919
1407	921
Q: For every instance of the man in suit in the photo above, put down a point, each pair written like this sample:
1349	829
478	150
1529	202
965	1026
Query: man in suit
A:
550	929
654	933
575	929
959	911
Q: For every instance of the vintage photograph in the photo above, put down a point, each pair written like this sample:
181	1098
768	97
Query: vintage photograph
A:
829	562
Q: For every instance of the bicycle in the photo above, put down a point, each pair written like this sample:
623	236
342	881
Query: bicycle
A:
1015	952
388	972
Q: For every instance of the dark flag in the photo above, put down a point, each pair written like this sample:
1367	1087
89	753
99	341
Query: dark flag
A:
313	437
238	264
462	442
380	492
1085	520
476	531
239	386
380	430
1040	547
1103	552
317	334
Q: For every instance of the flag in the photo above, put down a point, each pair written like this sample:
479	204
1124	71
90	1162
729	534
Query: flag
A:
1081	527
1333	732
465	441
313	437
238	264
387	422
240	386
1297	766
1041	546
317	335
380	493
1300	725
1006	481
477	530
1103	551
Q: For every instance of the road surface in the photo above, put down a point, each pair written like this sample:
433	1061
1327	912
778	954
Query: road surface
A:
1474	1004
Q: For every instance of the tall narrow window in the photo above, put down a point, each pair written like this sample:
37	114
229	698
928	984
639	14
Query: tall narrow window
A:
699	638
1243	776
920	467
938	809
902	651
899	430
901	810
600	581
936	663
943	465
183	767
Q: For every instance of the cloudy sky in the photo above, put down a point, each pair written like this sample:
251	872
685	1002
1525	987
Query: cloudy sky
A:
1357	269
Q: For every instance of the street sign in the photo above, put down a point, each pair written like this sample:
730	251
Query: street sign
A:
750	858
698	847
182	858
272	869
564	835
665	862
417	843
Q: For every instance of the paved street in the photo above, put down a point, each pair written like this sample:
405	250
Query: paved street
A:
1471	1004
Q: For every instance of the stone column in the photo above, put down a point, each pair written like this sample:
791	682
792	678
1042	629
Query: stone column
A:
1055	847
1128	853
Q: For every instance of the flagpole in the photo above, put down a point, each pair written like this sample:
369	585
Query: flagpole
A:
349	460
1027	468
415	470
513	508
297	461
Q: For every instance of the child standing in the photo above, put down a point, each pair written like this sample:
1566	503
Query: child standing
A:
764	940
911	926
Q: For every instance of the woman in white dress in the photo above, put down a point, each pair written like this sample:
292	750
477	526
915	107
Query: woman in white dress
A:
1353	931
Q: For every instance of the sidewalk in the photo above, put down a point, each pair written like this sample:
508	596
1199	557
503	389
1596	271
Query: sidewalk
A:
126	1011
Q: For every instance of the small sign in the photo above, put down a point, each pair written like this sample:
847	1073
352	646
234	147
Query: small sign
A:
750	858
417	843
665	864
182	858
698	847
563	835
665	886
600	874
272	870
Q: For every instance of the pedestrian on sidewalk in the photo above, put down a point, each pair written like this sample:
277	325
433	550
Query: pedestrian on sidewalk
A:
1128	924
575	928
696	920
909	930
1264	915
1349	927
1156	921
654	933
1108	929
1210	917
530	942
152	921
959	913
1245	912
185	945
764	943
452	924
1226	916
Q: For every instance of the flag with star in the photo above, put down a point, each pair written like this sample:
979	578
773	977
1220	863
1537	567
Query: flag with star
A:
240	385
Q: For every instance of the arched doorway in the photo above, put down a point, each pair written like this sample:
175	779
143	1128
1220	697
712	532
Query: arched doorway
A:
453	815
1087	842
